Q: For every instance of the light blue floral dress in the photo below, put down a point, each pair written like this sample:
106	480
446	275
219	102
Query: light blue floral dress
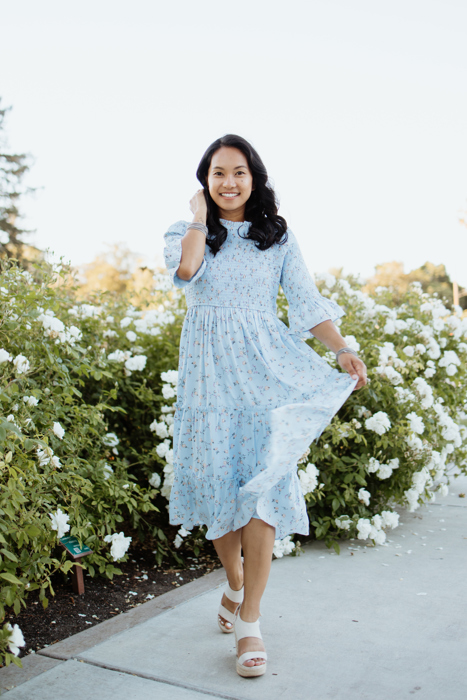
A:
251	395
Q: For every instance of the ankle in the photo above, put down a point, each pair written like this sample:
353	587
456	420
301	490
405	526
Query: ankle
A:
249	613
235	584
235	580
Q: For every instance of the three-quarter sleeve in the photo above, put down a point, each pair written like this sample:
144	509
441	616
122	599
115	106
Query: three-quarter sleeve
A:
173	254
307	307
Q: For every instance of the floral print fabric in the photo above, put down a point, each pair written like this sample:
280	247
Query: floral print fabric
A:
251	394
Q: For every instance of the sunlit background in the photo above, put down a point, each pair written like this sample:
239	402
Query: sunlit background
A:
358	109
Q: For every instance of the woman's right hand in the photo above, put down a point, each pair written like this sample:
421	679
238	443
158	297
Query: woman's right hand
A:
198	203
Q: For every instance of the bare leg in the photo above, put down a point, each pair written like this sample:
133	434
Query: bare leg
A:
257	543
229	550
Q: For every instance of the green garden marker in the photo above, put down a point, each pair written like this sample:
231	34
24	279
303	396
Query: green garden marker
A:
76	551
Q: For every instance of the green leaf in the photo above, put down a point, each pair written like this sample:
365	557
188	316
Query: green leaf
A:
11	428
33	531
12	579
9	555
9	595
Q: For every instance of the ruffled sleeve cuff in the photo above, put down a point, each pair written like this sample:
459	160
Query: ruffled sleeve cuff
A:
307	307
173	254
314	311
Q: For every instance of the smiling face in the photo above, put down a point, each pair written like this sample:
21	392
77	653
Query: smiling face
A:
230	182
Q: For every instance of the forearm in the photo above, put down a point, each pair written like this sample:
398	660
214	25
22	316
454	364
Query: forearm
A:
193	248
327	333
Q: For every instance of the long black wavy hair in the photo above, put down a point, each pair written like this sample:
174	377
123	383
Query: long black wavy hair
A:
267	227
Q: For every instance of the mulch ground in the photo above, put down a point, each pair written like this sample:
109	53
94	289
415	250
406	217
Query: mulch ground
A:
141	580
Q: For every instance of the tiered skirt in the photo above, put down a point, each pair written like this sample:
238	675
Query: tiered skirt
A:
251	398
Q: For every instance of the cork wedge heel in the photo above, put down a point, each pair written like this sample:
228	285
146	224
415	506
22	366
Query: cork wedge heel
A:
248	629
235	597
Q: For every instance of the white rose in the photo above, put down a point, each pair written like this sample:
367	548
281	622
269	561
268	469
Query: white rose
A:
379	423
120	545
168	392
344	522
389	519
58	430
155	480
59	522
385	471
443	489
364	528
416	423
15	639
364	496
21	364
136	363
5	356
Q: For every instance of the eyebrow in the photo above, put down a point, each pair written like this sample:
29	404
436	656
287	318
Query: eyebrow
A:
218	167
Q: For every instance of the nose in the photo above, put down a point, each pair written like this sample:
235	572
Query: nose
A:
229	181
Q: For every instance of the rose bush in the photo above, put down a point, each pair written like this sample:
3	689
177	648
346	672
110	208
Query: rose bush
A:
87	395
398	440
75	446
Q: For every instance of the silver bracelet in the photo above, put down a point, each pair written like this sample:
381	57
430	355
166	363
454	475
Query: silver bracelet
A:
342	350
199	227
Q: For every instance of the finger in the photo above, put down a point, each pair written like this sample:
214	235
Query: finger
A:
353	371
360	369
362	382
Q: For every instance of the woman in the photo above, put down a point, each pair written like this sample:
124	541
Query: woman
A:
252	395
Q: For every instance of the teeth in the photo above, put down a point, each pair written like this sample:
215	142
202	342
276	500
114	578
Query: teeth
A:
225	194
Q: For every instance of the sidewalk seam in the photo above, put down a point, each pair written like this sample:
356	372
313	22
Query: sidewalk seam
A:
111	627
158	679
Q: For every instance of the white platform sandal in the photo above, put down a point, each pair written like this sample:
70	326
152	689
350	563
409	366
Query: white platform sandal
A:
235	597
248	629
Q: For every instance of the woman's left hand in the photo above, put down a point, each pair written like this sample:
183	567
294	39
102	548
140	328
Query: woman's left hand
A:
355	367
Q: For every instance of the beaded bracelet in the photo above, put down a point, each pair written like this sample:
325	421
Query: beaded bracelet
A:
199	227
342	350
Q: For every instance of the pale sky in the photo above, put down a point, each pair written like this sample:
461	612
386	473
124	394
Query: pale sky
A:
358	109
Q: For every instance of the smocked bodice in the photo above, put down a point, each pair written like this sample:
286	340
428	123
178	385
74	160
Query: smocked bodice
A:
239	275
242	276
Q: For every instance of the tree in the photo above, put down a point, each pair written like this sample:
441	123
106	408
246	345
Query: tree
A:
13	167
433	278
120	271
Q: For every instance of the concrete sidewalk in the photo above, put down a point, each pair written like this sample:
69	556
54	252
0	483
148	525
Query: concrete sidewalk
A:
374	623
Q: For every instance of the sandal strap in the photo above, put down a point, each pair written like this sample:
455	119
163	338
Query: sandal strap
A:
226	614
234	596
252	655
246	629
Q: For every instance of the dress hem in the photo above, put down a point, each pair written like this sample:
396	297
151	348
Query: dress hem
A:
280	534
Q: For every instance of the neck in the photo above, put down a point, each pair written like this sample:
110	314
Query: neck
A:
236	215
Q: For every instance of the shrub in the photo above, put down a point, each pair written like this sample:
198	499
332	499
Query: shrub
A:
87	393
396	441
60	468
